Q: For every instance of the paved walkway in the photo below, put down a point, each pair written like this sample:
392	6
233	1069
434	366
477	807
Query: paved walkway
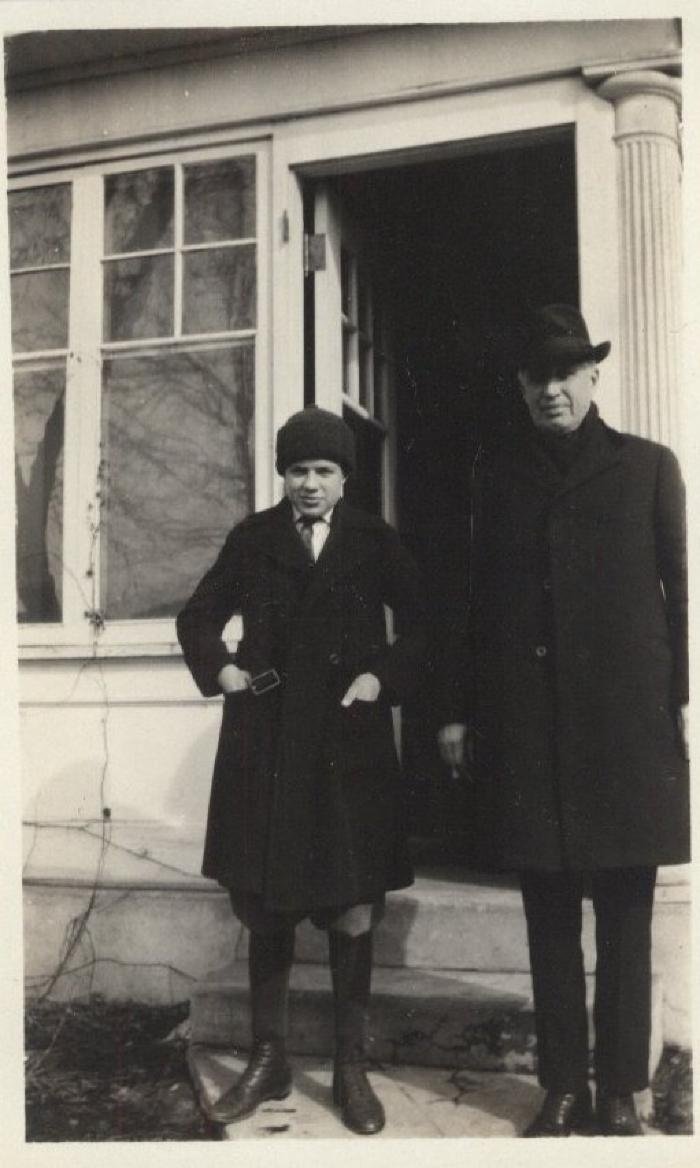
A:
419	1101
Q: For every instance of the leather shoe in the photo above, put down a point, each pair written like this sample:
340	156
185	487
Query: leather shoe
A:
360	1110
561	1113
617	1115
267	1076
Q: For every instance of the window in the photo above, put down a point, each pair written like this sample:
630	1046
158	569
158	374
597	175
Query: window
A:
137	360
365	380
39	287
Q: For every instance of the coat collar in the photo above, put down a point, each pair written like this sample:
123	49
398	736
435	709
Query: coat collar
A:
599	452
343	549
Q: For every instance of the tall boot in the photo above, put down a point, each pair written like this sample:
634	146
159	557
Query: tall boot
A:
267	1074
351	972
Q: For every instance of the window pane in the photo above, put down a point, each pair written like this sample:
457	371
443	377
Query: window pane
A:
364	487
347	356
379	372
178	444
220	200
365	373
39	310
138	298
139	210
345	288
39	397
219	290
39	226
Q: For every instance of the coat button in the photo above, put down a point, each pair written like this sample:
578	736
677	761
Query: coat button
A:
547	585
334	658
541	651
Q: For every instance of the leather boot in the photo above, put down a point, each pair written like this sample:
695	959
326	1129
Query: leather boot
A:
267	1074
617	1115
351	971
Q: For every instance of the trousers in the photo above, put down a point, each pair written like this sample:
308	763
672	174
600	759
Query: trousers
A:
353	920
623	901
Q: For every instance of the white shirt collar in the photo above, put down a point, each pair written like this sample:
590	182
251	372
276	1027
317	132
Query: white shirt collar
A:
318	518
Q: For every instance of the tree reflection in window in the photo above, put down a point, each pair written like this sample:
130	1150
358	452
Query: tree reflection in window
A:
39	401
40	252
178	446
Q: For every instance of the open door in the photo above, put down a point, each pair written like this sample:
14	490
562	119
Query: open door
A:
353	371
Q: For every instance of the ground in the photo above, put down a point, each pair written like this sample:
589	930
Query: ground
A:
106	1071
118	1071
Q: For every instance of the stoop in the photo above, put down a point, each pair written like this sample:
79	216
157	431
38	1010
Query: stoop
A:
451	984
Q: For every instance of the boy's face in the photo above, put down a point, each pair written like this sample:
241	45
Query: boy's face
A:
314	485
558	398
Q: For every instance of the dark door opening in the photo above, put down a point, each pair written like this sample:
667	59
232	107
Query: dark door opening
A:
460	246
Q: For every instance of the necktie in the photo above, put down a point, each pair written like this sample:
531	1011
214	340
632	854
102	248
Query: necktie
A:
306	531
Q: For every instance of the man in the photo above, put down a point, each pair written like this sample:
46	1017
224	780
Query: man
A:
305	817
570	701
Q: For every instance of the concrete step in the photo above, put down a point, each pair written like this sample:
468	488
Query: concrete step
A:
436	1018
444	921
452	920
420	1102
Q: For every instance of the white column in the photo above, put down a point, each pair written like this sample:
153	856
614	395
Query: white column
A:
649	182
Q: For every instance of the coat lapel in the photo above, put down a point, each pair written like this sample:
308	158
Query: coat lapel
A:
599	453
343	549
341	553
282	542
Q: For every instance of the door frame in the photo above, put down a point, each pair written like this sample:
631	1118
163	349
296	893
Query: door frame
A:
429	129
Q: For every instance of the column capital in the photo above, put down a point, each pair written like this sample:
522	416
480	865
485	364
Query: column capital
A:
637	82
646	101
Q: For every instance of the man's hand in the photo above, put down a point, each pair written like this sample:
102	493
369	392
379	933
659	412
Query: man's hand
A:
453	744
232	679
683	724
364	688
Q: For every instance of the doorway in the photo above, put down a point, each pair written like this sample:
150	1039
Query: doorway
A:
455	249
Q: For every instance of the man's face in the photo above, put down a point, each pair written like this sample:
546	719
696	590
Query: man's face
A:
559	399
314	485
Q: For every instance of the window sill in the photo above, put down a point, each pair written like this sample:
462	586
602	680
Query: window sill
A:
118	639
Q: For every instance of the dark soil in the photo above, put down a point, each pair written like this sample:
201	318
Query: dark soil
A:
118	1071
109	1071
673	1093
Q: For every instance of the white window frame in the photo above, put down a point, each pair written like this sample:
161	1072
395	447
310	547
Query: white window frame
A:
76	635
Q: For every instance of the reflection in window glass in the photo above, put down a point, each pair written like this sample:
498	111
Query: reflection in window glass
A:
39	226
178	447
139	210
220	200
39	398
219	290
138	298
39	310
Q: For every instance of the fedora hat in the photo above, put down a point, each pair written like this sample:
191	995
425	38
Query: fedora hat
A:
557	334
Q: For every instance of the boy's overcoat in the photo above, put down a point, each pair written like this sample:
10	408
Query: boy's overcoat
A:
576	659
306	804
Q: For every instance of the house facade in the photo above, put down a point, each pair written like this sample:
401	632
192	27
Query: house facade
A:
208	229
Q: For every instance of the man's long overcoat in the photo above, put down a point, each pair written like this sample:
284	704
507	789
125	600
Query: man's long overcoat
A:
306	805
576	660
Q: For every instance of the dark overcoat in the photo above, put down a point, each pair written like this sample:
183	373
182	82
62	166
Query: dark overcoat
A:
576	655
306	805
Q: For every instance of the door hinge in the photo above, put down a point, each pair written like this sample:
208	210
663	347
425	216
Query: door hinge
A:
314	253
